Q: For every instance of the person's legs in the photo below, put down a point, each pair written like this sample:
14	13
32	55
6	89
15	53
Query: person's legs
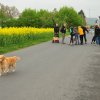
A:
77	39
85	38
71	39
63	37
97	40
81	39
93	39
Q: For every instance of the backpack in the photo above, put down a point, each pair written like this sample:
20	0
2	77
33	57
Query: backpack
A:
71	30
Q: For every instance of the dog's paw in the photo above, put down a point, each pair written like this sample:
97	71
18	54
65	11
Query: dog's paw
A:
7	71
0	74
13	70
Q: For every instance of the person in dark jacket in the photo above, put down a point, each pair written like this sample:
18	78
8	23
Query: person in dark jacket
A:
97	34
72	35
84	36
63	31
56	30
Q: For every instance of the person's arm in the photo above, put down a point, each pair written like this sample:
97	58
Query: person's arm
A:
99	31
86	30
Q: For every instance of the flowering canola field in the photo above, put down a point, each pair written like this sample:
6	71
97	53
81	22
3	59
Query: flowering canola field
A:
16	35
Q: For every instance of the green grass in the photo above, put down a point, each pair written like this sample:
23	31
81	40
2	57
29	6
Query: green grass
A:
13	47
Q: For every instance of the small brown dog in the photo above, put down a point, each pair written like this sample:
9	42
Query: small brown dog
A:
2	68
8	64
11	63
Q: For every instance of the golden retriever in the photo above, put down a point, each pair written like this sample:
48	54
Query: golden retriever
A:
2	68
11	63
8	64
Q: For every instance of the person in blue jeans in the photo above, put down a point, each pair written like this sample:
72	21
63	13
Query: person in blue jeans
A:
75	31
97	34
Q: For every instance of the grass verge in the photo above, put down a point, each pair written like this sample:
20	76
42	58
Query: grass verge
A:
14	47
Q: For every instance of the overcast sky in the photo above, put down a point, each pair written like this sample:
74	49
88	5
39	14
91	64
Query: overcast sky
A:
90	7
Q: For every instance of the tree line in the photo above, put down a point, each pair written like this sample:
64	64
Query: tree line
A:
41	18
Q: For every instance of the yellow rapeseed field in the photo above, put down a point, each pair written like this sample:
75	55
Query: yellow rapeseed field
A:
14	35
24	30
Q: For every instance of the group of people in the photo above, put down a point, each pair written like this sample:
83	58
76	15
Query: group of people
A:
77	34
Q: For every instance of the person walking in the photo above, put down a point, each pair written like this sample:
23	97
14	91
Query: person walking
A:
71	34
81	33
63	31
76	36
84	36
97	34
94	37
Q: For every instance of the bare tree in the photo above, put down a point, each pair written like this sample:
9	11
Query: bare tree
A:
10	12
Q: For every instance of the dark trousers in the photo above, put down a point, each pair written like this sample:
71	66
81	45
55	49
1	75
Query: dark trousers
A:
81	39
71	39
85	38
94	38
